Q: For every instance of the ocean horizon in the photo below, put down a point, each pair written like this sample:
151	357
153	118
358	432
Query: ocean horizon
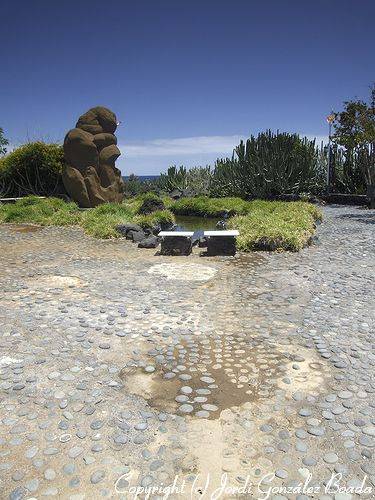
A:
142	177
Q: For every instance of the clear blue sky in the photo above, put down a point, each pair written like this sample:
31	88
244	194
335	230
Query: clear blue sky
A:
187	79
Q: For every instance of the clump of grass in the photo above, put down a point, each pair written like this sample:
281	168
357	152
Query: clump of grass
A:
203	206
159	217
45	212
276	225
100	222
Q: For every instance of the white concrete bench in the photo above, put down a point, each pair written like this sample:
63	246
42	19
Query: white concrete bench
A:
176	242
221	242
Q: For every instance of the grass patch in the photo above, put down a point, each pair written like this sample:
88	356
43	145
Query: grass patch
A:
99	222
263	225
276	225
203	206
45	212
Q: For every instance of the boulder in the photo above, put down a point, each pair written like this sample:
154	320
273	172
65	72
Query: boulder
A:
126	227
149	242
137	236
150	205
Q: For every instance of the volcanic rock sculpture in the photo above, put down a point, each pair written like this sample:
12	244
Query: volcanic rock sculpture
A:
90	176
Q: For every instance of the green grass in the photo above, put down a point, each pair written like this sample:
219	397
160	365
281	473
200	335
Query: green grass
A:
263	225
203	206
99	222
155	218
276	225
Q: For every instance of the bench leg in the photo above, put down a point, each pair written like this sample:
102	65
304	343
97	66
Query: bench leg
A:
176	245
221	245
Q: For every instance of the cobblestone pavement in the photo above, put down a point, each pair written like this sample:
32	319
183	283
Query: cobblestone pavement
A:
119	368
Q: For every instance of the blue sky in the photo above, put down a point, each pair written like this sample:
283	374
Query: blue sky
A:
187	79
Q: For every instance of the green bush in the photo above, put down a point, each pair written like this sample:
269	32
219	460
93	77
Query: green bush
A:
34	168
203	206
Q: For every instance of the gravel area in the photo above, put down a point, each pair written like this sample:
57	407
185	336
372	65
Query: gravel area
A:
120	368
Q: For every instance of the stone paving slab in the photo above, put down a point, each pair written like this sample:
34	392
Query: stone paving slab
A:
121	369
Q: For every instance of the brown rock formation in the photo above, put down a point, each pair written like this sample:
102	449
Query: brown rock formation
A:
90	176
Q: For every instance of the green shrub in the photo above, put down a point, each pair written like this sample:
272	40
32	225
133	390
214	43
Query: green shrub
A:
209	207
34	168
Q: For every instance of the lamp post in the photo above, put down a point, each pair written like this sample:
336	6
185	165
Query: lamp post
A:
330	120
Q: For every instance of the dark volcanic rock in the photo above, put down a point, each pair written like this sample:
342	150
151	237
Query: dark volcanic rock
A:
149	242
151	205
136	236
126	227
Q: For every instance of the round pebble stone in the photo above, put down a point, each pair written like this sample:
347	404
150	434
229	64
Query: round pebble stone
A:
147	481
305	412
186	408
49	474
309	461
181	398
207	380
330	458
69	469
97	476
210	407
18	475
281	473
186	389
202	414
149	369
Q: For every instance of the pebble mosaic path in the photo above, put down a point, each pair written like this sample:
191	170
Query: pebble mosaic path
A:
119	368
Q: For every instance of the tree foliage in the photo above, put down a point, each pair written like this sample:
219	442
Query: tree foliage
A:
354	132
3	142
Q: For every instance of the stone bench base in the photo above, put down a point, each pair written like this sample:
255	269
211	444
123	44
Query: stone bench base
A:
173	243
221	242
